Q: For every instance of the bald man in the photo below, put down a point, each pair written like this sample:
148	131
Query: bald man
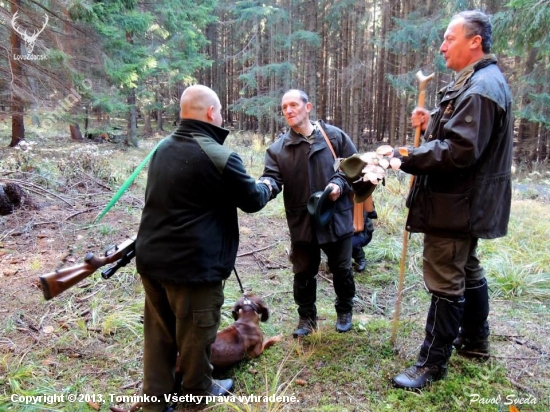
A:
201	103
186	247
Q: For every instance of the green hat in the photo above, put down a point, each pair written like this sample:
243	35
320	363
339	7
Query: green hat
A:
320	207
353	169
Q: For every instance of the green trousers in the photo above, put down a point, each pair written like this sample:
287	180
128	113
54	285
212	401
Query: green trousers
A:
450	264
180	319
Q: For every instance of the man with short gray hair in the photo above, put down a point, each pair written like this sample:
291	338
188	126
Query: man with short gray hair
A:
302	160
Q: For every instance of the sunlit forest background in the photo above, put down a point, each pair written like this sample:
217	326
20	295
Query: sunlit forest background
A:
119	67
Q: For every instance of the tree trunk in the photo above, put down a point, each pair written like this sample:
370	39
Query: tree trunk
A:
526	129
159	107
324	86
74	129
86	120
131	138
17	103
147	128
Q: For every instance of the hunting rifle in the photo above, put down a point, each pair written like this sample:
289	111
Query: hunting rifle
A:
54	283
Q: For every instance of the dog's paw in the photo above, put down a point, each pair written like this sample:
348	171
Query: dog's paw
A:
272	341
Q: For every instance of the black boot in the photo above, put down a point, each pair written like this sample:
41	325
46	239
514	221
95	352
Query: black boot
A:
418	377
442	326
358	255
343	322
473	338
360	265
344	286
305	295
221	387
306	326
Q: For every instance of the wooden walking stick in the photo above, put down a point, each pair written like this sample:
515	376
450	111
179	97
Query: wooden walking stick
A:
422	83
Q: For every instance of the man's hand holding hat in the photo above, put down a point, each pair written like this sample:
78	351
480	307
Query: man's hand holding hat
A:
336	192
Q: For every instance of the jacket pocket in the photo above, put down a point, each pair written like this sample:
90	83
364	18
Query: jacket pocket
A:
449	211
342	223
299	224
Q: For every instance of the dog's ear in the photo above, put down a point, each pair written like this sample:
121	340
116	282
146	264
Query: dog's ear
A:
235	311
264	311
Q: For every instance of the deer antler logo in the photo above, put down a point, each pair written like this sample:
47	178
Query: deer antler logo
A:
28	39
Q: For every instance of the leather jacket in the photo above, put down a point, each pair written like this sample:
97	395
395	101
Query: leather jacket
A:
463	169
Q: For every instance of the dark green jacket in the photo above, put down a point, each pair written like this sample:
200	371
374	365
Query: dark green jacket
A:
189	226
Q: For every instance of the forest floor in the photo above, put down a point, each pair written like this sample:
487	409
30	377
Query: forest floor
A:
87	342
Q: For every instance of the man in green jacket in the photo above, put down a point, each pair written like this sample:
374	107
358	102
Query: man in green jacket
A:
187	246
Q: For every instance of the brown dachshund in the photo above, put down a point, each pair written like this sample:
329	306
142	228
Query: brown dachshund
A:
243	338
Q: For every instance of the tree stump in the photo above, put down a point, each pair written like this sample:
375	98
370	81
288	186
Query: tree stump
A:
12	197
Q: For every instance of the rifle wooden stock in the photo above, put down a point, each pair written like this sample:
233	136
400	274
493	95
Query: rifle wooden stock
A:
54	283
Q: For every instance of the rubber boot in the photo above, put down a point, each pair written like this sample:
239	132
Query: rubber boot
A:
442	325
344	287
473	338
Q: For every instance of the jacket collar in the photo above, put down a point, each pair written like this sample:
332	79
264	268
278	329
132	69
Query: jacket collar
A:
467	72
219	134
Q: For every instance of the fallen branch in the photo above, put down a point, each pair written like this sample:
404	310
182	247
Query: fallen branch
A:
84	298
256	250
55	222
131	385
6	234
276	266
82	211
96	181
522	387
509	357
324	277
278	293
507	336
515	339
358	403
21	229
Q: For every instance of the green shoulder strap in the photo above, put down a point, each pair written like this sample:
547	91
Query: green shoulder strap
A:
127	183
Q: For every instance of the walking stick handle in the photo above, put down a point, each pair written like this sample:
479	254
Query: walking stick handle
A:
422	84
